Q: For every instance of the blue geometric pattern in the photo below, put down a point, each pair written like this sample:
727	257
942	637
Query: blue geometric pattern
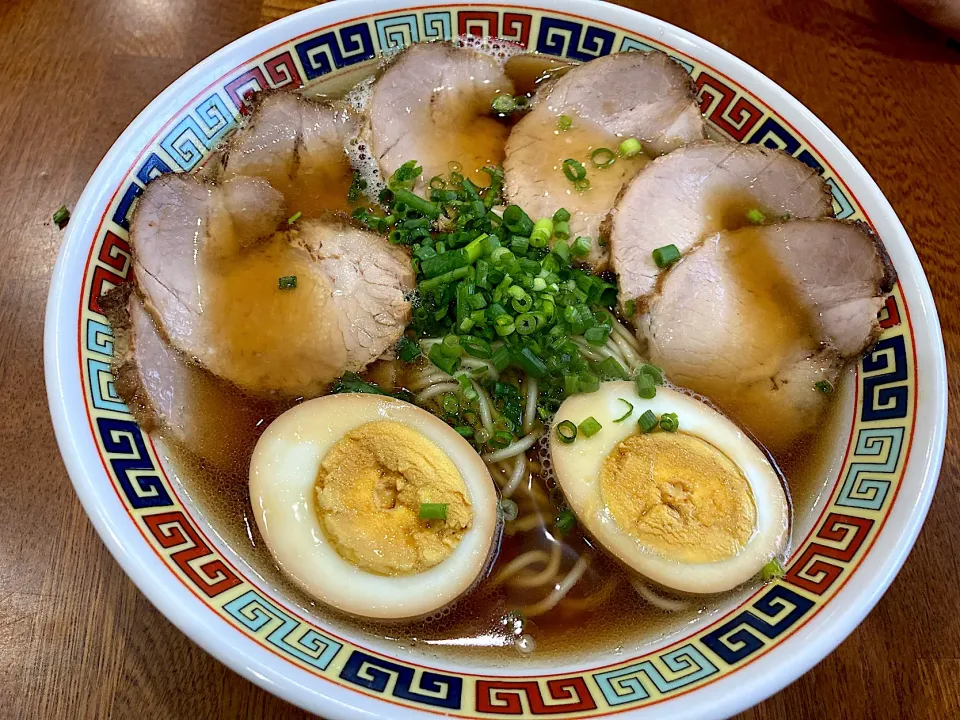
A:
681	667
395	33
740	637
859	490
255	612
374	673
881	402
190	139
133	468
562	38
322	53
774	135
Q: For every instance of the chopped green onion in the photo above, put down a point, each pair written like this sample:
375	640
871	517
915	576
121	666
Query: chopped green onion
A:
588	382
824	386
293	218
501	359
542	230
500	439
526	323
574	170
415	202
628	413
590	427
450	404
646	387
566	521
561	215
450	345
564	123
464	431
669	422
503	104
666	255
773	570
653	372
528	360
454	167
581	247
61	217
509	509
566	432
433	511
476	346
582	184
648	421
611	369
603	157
521	103
597	335
445	279
447	363
287	282
756	217
408	350
561	230
630	147
517	221
629	307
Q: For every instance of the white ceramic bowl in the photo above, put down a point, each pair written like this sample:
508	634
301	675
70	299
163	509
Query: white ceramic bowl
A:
848	548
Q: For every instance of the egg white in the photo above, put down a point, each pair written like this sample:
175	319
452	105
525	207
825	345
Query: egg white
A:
283	475
577	467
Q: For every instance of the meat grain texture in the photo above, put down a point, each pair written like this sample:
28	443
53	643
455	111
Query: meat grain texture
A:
646	96
755	318
700	189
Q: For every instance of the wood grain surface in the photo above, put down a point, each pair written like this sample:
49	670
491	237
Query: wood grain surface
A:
78	640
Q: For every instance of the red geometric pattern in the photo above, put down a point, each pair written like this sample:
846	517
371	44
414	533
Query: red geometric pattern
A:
715	99
172	529
889	313
485	23
115	253
503	697
811	571
279	71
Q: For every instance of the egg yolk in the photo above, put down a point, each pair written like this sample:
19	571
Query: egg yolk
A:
369	491
679	496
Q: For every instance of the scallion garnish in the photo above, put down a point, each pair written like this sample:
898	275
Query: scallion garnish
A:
669	422
503	104
628	413
566	432
433	511
287	282
590	427
442	360
581	247
566	521
773	570
509	510
574	170
630	147
542	231
603	157
464	431
561	215
408	350
653	372
629	307
666	255
648	421
824	386
61	217
583	184
564	123
756	217
646	387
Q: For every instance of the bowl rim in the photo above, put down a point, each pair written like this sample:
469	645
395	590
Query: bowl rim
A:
794	656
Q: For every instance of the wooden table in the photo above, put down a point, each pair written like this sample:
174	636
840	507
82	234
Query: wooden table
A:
78	640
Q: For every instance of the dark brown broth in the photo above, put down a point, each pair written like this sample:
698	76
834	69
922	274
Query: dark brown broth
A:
475	625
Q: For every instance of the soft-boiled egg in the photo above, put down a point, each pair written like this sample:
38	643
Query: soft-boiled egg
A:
374	506
698	510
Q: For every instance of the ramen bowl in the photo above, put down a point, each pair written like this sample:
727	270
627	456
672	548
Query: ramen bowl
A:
879	471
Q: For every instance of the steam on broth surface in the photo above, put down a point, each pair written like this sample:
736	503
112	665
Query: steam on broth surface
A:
553	588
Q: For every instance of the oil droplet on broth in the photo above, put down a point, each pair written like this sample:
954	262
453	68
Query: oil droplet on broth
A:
529	71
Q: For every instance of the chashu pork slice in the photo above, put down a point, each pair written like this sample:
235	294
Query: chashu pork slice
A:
298	146
284	314
432	104
646	96
700	189
169	394
754	318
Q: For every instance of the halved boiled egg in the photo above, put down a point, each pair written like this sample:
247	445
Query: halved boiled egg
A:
698	510
374	506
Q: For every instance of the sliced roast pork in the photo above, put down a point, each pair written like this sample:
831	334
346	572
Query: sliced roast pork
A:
646	96
284	314
297	145
755	318
432	105
169	394
702	188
